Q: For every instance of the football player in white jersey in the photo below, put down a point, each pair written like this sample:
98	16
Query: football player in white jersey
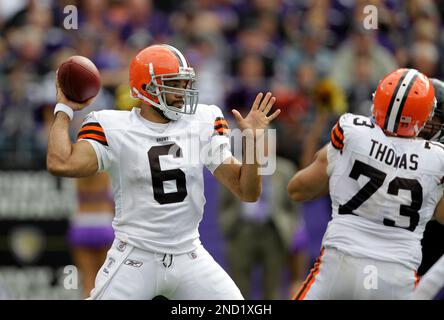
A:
431	285
385	184
155	157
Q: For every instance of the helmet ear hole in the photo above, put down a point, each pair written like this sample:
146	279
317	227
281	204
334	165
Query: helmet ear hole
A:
149	88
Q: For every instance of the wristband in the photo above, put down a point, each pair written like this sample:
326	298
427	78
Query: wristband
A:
65	109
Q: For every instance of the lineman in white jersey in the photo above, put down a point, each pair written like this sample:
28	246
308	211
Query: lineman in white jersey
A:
384	184
155	157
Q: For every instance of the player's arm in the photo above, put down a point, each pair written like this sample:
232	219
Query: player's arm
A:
312	181
64	158
242	179
439	211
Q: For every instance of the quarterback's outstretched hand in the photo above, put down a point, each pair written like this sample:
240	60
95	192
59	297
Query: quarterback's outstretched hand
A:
73	105
257	118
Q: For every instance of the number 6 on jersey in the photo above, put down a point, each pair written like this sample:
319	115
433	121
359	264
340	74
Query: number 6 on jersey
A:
159	176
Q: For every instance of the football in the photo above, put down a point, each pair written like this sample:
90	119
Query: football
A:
79	79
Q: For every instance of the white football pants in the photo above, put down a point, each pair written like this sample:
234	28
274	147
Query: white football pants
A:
132	273
432	284
338	276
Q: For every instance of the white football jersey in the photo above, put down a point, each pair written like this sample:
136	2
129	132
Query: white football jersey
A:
383	189
157	172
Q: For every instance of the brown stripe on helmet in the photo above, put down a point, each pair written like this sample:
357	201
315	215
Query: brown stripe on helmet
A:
404	99
392	100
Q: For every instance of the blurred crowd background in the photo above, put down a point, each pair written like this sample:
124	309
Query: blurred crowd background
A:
316	56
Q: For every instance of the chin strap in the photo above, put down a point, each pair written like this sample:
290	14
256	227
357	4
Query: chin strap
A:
161	113
170	114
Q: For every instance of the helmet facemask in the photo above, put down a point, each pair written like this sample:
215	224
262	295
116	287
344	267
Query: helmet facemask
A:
434	127
158	89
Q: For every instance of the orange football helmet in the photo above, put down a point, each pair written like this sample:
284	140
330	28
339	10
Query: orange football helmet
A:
148	72
403	102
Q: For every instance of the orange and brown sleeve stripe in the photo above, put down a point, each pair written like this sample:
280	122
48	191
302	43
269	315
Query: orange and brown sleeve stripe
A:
93	131
300	295
221	127
337	137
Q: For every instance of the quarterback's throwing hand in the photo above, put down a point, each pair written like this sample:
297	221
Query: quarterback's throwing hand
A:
61	97
257	117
